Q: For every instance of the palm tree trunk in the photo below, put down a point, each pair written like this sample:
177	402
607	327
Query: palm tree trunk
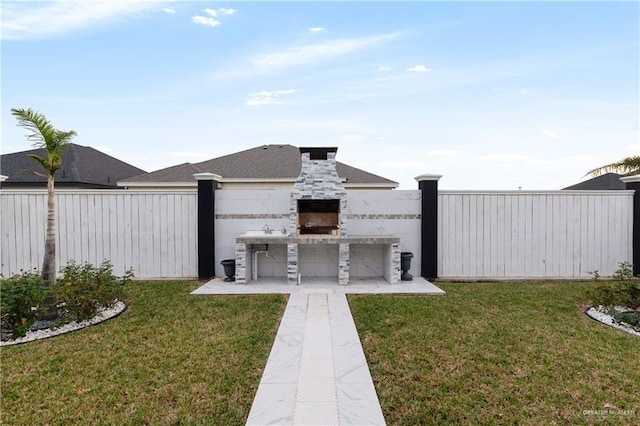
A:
49	264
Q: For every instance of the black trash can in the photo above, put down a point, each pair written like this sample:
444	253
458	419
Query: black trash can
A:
405	265
229	269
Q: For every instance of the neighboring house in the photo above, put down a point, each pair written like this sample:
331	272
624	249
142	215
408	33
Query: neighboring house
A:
82	167
263	167
605	182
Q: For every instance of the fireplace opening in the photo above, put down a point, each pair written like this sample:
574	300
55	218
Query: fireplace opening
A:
319	217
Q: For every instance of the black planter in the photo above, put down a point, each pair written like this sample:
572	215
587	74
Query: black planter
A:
229	269
405	265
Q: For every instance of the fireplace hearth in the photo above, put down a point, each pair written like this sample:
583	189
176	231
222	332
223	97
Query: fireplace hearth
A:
319	217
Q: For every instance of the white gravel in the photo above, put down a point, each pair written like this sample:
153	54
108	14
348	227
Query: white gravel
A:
103	315
598	313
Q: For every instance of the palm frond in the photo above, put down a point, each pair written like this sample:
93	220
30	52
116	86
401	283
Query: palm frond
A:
36	123
626	166
44	136
51	163
41	132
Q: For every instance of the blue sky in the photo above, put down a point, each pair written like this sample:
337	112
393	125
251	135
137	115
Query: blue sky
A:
492	95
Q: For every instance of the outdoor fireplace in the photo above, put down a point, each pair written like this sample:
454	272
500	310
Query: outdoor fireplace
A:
319	217
318	198
318	244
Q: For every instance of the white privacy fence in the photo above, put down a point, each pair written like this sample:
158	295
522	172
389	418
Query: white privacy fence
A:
153	232
527	234
521	234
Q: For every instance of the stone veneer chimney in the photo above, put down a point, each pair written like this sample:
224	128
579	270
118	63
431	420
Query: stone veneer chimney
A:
318	180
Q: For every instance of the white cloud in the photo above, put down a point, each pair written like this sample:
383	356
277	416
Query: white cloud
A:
203	20
551	135
444	152
316	29
418	68
384	69
169	10
315	53
266	97
211	12
31	20
221	11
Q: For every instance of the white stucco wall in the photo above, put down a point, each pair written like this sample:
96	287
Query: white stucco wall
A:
370	212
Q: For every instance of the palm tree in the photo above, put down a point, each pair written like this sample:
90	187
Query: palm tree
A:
53	141
627	166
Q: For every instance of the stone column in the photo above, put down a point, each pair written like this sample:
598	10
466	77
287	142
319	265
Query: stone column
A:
343	264
392	263
243	274
428	184
292	263
207	184
633	183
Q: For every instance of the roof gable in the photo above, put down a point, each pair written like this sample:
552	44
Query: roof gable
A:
605	182
261	163
81	165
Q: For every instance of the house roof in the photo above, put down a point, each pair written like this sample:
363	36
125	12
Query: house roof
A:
607	181
81	166
261	163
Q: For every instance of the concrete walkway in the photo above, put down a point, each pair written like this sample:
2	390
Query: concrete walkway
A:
317	373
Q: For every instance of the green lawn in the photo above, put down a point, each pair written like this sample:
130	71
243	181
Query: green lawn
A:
498	353
482	354
170	358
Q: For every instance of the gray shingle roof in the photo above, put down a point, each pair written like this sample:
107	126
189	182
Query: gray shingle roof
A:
263	162
81	166
607	181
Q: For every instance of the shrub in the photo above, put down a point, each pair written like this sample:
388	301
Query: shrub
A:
624	271
21	298
631	295
83	289
621	293
631	318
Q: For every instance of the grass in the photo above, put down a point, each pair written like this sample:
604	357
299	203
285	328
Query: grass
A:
498	354
483	354
171	358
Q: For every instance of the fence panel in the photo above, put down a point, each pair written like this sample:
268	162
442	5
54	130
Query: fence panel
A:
153	232
533	234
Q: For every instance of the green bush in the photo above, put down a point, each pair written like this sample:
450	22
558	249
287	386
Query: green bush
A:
631	318
620	293
83	289
21	298
624	271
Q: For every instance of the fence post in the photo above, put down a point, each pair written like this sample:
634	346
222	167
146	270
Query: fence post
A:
428	184
207	184
633	183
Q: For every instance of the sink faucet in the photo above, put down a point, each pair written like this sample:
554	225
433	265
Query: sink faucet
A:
266	229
